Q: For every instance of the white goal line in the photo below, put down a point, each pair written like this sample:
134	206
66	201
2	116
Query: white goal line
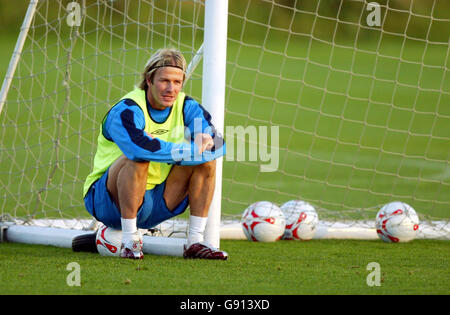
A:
232	229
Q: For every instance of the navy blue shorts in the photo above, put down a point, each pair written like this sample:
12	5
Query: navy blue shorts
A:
152	212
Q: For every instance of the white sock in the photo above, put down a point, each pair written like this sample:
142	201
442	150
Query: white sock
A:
129	227
197	227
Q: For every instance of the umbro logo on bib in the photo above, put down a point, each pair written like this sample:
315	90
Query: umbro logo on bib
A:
159	131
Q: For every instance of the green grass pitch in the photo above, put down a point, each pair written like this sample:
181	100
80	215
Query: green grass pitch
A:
282	268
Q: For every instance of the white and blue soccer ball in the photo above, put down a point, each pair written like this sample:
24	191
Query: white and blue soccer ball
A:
263	221
397	222
301	220
108	241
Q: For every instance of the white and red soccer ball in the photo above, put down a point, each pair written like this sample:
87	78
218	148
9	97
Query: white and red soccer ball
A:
301	220
263	221
397	222
108	241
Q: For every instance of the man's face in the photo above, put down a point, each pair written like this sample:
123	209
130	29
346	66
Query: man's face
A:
167	83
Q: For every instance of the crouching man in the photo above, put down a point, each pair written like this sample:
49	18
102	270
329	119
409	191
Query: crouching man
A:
155	157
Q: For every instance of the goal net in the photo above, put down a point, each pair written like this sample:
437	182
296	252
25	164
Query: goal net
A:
343	104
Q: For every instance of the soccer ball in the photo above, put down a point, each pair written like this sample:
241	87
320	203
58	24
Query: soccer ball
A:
263	221
301	220
108	241
397	222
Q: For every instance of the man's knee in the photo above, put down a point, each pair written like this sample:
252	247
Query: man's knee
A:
128	168
138	168
208	169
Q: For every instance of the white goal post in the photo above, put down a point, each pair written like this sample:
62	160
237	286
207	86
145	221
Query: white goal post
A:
343	104
213	96
16	54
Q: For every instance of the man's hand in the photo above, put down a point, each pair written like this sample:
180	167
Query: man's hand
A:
204	142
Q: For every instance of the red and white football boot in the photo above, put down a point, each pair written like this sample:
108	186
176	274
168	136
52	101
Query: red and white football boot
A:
133	248
204	250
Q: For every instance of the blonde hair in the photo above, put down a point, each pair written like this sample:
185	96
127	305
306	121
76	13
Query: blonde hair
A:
165	57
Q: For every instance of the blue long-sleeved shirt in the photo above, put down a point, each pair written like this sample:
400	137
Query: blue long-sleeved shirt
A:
125	123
